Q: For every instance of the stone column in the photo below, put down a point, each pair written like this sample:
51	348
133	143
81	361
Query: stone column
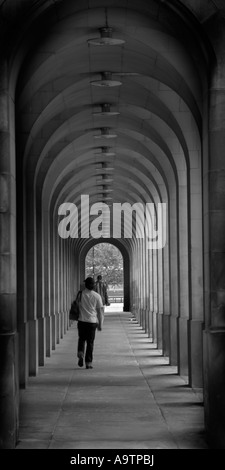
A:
166	288
214	334
160	299
147	288
9	400
127	274
135	280
53	284
22	322
155	295
47	280
195	324
151	306
57	288
65	285
61	311
40	283
171	306
142	292
184	309
31	271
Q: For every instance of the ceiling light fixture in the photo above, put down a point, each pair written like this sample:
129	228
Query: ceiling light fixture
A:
105	134
106	153
101	166
104	188
106	38
106	81
103	197
106	111
104	179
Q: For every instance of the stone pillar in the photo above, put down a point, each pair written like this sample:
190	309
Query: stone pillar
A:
9	400
22	323
171	306
147	275
183	284
65	286
47	281
155	296
57	290
61	311
166	287
138	268
214	334
195	324
151	296
136	281
49	308
52	287
31	274
39	253
160	299
126	268
142	286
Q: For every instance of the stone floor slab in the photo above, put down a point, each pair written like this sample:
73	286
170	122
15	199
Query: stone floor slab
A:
132	399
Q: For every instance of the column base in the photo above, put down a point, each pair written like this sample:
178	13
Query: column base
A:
138	316
195	328
33	348
173	341
53	317
42	340
154	327
9	391
65	315
159	331
67	320
23	354
48	336
144	320
150	329
182	346
57	318
166	335
61	315
214	386
141	317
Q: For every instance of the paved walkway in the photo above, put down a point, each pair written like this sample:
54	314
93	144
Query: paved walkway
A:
132	399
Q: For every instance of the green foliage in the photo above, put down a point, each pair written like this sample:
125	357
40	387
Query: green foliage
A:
105	259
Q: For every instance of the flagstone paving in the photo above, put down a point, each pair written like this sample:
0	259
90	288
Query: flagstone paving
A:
131	399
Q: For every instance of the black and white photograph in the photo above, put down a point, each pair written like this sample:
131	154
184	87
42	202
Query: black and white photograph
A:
112	231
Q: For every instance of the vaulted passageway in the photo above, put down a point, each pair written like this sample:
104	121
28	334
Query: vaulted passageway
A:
113	111
113	124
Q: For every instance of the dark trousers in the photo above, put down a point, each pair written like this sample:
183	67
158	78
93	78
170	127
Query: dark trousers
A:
86	332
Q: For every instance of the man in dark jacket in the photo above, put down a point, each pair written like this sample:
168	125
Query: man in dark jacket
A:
101	288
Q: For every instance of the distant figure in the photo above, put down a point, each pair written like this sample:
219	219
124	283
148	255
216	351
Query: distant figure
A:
91	317
101	288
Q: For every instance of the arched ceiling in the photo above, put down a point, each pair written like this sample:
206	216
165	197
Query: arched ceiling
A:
63	119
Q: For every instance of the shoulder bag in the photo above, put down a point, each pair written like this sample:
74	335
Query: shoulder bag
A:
75	307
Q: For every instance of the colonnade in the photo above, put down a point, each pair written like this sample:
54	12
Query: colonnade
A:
171	137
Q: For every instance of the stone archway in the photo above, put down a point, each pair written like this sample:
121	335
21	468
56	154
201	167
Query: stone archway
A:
126	260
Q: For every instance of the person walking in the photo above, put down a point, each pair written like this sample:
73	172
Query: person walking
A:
101	288
90	317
